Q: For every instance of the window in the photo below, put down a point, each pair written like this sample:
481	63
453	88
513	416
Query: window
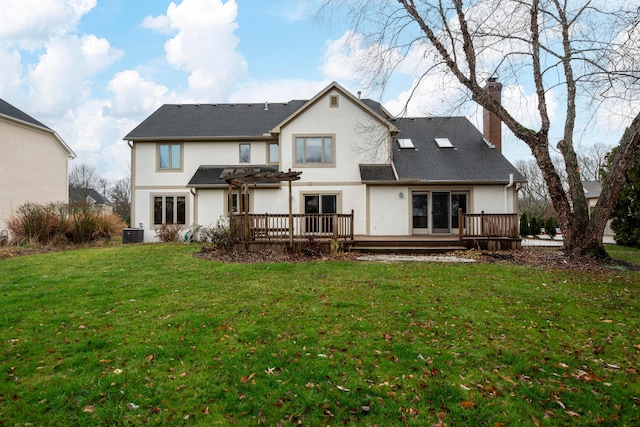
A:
314	150
234	203
333	101
245	153
169	210
458	201
405	143
170	156
443	143
274	152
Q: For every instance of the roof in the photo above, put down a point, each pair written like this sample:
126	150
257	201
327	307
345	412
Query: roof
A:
13	113
224	121
9	110
592	189
210	121
77	194
372	173
471	159
211	176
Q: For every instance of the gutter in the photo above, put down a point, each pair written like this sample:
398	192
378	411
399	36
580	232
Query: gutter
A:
509	185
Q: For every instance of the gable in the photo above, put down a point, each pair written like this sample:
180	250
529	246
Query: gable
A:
375	110
14	116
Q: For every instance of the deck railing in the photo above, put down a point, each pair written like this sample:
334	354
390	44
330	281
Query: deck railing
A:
304	226
488	225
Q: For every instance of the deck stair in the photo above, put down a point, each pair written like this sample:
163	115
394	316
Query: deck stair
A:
405	246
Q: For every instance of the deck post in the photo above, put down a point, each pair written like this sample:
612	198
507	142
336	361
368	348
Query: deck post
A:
460	225
290	216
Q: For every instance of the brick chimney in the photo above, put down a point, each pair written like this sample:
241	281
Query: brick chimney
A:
491	124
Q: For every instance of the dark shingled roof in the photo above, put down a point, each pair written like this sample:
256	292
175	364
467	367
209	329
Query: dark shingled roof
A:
470	160
11	111
212	120
372	173
210	175
592	189
77	194
208	121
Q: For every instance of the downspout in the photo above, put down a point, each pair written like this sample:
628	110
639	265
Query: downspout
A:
509	185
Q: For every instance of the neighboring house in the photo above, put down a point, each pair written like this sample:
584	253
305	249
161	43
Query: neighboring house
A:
592	190
399	176
33	162
93	198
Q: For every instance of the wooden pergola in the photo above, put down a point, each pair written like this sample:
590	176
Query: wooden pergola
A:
241	178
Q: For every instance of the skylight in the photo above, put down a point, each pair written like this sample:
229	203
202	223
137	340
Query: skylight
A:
443	143
405	143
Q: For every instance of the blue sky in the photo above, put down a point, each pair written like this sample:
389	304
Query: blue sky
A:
94	69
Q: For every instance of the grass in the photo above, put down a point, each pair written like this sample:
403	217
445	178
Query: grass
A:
151	335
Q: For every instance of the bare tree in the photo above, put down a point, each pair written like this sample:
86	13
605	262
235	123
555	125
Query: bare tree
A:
120	195
569	50
592	159
82	179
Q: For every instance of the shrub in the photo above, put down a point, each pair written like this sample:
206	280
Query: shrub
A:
169	232
524	224
35	223
223	235
550	225
535	226
58	224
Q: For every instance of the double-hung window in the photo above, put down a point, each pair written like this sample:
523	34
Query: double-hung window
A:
245	153
169	157
314	150
169	210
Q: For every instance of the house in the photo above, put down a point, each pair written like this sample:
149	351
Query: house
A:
92	197
391	176
592	190
33	162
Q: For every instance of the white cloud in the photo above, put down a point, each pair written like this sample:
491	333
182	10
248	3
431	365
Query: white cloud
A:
11	74
205	45
61	79
30	22
135	96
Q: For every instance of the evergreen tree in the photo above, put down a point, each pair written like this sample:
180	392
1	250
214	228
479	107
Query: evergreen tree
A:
524	225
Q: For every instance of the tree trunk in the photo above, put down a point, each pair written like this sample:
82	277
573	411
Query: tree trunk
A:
629	145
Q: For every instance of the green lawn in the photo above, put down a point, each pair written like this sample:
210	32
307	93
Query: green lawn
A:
152	335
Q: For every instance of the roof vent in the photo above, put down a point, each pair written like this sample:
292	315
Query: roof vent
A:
266	106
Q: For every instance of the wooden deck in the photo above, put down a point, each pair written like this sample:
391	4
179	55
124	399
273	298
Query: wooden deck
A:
481	231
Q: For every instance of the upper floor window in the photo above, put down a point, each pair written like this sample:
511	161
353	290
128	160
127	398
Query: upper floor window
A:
314	150
169	156
274	152
245	153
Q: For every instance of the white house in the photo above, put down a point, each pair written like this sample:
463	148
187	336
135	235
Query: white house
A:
399	176
33	162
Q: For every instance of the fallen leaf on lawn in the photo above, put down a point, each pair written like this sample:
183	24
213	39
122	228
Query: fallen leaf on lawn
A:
117	371
247	379
607	321
572	414
467	404
149	358
343	388
132	406
310	385
88	408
